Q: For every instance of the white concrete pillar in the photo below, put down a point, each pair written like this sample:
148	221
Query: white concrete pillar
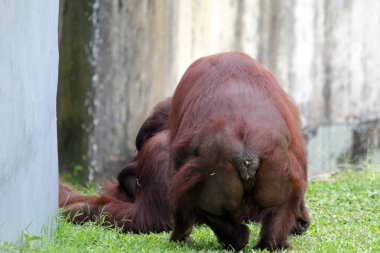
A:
28	122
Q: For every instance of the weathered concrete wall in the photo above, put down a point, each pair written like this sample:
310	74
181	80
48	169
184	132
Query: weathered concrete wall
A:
323	52
28	86
75	85
133	65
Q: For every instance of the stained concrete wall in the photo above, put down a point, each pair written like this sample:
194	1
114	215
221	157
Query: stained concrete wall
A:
324	53
28	86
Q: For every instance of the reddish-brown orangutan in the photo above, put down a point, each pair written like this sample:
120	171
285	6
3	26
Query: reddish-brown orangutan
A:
125	187
155	123
235	142
150	211
141	188
236	154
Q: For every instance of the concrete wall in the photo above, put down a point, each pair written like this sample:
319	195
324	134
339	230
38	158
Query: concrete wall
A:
28	86
324	53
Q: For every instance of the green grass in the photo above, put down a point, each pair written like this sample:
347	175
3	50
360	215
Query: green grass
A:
345	211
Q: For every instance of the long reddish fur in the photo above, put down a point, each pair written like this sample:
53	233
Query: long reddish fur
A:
166	175
207	92
150	212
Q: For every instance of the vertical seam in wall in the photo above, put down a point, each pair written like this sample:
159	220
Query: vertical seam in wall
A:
326	91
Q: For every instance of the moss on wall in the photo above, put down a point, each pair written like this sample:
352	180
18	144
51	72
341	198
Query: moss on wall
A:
74	87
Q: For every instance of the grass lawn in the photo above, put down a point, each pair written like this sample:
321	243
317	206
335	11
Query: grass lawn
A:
345	212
